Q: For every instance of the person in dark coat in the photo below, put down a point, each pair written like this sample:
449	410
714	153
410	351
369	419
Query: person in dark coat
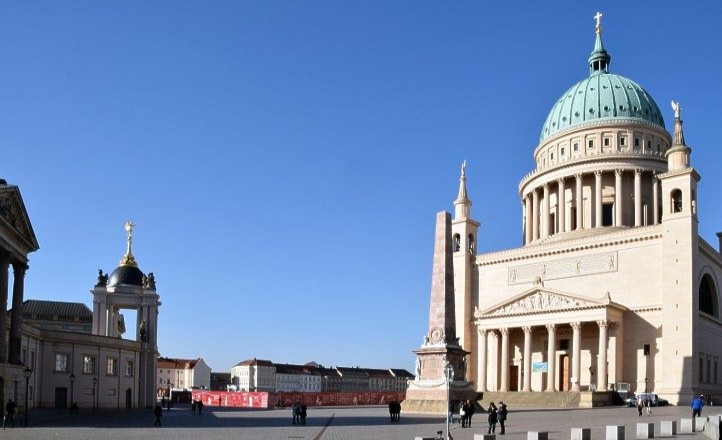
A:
304	410
470	413
493	417
501	417
200	406
158	413
464	413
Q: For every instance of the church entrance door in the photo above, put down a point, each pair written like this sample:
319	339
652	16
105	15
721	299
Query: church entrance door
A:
564	372
61	398
514	378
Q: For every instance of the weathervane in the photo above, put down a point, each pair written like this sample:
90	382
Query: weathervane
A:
598	28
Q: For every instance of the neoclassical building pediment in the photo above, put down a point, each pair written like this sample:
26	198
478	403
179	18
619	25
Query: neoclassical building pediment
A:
14	221
541	299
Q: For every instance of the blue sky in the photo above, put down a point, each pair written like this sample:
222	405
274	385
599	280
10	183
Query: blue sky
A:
284	160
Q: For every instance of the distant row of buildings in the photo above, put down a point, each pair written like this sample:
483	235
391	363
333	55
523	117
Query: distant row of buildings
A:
263	375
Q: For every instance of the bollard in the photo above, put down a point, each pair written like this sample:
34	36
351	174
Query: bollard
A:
645	430
711	430
668	428
615	432
686	426
537	435
699	423
581	434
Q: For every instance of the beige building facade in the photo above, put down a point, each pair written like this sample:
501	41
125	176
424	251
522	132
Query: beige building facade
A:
612	284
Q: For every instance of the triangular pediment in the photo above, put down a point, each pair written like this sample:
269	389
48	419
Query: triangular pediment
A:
541	299
15	224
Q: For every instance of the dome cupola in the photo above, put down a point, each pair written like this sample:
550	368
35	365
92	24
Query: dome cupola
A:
601	98
127	273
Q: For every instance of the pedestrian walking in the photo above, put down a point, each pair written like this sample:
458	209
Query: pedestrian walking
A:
462	413
470	412
296	412
501	417
493	417
200	407
648	405
9	418
304	411
640	405
158	413
697	405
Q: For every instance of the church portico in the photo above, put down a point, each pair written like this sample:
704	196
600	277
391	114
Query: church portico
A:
543	331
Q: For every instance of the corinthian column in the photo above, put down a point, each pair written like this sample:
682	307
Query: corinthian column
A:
655	198
16	317
551	357
545	212
527	359
580	201
504	359
637	197
602	358
576	354
597	199
481	361
535	214
618	202
561	204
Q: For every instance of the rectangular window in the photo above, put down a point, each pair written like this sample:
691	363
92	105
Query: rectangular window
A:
649	145
647	349
61	362
88	364
112	369
715	371
709	371
562	151
576	146
606	142
591	143
129	370
701	370
24	356
622	141
32	359
636	142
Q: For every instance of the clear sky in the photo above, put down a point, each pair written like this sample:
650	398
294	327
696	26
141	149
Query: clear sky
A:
284	160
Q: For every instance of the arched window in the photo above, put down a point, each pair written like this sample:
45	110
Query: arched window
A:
708	296
471	243
676	200
457	242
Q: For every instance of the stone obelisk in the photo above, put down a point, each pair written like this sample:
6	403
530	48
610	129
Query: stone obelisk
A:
427	393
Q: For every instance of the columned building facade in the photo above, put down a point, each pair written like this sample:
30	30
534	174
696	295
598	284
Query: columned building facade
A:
612	285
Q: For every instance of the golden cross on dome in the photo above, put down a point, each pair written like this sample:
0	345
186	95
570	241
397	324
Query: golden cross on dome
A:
598	17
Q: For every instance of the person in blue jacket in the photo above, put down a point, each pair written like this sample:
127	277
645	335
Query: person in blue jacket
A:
697	405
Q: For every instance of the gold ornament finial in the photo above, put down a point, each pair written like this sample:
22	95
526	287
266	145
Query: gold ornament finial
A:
128	259
598	27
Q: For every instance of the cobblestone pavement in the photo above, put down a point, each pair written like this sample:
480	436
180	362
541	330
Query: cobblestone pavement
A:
327	424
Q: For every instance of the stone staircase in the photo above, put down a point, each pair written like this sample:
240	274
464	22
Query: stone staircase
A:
522	399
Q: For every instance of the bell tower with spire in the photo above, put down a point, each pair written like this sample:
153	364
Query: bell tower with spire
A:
464	232
680	244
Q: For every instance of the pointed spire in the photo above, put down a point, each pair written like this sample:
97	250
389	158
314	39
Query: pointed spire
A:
128	259
599	59
462	204
678	133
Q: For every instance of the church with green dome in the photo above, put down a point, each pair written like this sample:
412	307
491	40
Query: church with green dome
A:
611	289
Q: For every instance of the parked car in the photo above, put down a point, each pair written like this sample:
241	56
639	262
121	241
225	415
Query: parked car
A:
656	400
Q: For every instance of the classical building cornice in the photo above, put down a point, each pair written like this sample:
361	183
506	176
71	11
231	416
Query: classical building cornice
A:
598	241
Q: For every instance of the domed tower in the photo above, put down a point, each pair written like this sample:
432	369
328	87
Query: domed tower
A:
127	287
601	149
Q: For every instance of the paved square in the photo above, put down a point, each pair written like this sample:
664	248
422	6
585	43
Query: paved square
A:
327	424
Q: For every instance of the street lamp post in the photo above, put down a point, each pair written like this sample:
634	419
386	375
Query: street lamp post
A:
95	381
27	372
449	370
72	382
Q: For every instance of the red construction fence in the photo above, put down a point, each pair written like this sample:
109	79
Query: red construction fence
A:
270	400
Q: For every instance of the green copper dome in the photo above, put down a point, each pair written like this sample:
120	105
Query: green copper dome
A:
602	97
